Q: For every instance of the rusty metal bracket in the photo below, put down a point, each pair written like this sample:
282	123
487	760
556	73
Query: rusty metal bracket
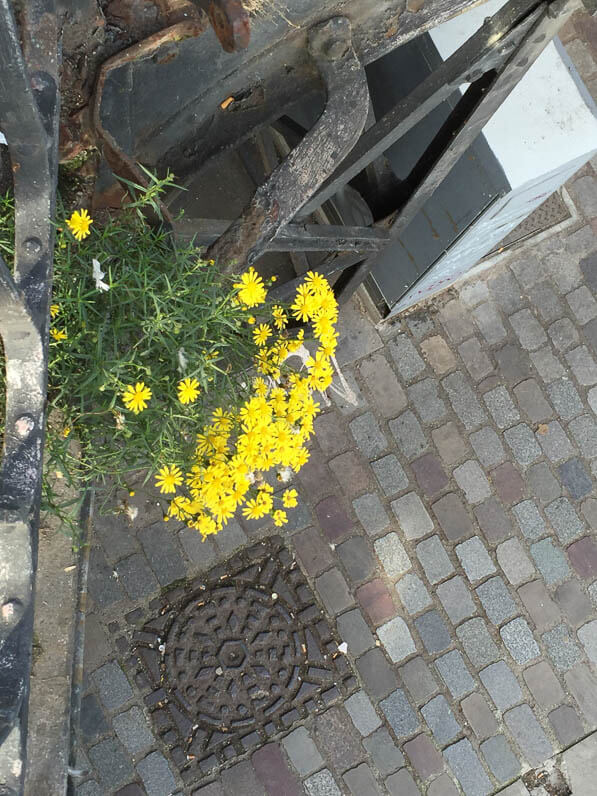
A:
291	184
230	21
29	105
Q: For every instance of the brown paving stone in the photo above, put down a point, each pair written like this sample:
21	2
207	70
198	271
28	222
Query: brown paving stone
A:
430	474
438	354
376	601
542	609
313	551
450	444
583	557
574	602
385	388
352	473
424	756
336	737
330	434
479	716
508	483
378	676
333	519
273	772
315	475
582	684
543	684
453	517
493	520
566	724
130	790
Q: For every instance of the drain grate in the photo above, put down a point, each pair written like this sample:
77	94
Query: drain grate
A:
551	212
238	657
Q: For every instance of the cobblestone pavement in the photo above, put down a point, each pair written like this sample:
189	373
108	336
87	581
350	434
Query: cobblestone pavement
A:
446	533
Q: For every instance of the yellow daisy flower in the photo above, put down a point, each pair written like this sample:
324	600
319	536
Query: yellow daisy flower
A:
261	334
54	310
280	517
168	478
188	390
289	498
251	290
58	335
79	224
279	316
136	398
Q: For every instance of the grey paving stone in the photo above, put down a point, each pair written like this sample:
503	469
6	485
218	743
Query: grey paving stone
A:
420	323
434	559
390	474
463	400
584	431
513	363
455	674
554	442
347	402
543	684
113	687
379	677
488	447
433	631
587	635
396	639
394	558
438	354
202	553
566	724
111	763
472	293
592	399
583	189
455	597
136	576
232	536
89	788
565	398
412	515
442	786
385	388
163	554
493	520
322	784
573	602
477	713
337	739
450	445
455	318
424	396
302	752
413	593
399	713
474	559
477	642
361	782
542	483
522	443
471	479
501	407
355	632
506	290
527	732
575	478
156	775
452	517
550	561
408	362
590	333
583	365
383	752
334	592
362	713
582	304
371	513
563	334
356	558
115	535
496	600
500	758
424	757
131	728
562	650
438	715
529	520
542	609
368	435
546	302
330	433
419	680
502	685
518	638
102	585
92	722
408	434
564	519
548	366
490	324
514	561
313	550
475	359
532	401
402	784
583	687
464	762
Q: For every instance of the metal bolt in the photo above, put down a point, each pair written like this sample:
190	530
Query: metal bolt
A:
32	246
24	425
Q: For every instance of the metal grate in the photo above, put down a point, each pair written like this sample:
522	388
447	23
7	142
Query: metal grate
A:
553	211
237	658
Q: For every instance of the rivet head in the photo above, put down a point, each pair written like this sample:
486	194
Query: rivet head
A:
24	425
32	245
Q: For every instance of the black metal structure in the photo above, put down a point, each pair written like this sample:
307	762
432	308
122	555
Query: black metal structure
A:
321	59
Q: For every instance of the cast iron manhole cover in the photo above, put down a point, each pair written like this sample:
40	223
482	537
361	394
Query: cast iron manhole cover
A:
239	657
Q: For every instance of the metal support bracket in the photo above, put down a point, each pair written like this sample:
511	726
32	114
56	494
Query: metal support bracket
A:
335	133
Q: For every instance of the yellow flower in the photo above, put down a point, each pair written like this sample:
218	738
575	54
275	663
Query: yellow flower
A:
188	390
289	498
261	334
54	310
66	431
251	320
136	398
58	335
280	517
168	478
316	282
280	317
79	224
251	290
254	510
